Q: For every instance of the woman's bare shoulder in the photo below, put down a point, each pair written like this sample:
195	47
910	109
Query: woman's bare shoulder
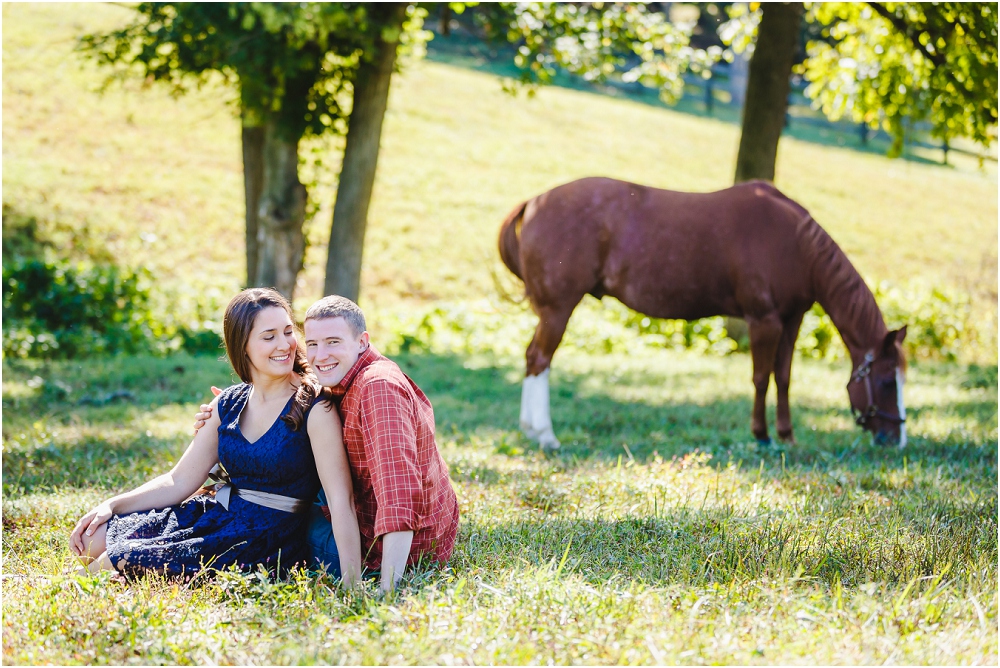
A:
323	415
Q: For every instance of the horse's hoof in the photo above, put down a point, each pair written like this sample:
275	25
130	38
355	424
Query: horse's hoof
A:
549	442
764	442
787	439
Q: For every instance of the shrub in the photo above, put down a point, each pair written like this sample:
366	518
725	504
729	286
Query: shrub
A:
942	323
980	377
60	309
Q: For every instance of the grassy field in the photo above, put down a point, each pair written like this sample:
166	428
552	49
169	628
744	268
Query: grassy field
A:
662	533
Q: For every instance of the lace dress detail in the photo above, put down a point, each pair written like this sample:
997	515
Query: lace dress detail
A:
200	533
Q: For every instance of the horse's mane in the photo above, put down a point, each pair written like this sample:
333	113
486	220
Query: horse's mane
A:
839	288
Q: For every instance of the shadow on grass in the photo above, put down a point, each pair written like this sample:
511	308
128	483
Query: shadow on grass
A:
49	466
593	424
700	547
854	514
469	402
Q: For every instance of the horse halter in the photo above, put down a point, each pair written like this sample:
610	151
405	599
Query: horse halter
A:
864	373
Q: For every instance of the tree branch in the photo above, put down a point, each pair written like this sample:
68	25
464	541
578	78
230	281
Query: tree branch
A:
938	60
907	30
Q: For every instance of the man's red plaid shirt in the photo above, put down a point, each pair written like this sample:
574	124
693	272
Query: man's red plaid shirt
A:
400	480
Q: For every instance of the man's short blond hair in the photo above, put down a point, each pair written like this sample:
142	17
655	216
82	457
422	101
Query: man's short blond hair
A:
336	306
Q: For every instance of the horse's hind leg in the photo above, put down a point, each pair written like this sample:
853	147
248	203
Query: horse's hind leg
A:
783	375
764	336
536	420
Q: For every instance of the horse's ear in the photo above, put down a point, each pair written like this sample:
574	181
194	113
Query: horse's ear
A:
892	338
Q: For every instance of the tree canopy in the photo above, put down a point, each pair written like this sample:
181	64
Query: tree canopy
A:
894	63
597	41
289	60
889	64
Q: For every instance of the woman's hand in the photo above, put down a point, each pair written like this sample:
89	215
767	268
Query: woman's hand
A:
204	412
88	524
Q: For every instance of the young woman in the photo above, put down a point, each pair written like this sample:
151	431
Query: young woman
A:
271	436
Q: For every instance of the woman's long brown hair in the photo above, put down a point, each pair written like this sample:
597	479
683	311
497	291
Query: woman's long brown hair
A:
237	325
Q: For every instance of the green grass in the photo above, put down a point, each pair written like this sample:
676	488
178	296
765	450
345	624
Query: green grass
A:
660	534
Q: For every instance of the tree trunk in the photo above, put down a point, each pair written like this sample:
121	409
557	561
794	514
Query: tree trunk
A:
765	103
445	19
253	182
280	240
767	90
357	176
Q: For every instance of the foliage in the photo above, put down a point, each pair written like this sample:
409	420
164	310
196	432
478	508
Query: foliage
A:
897	64
981	376
739	32
663	533
59	309
942	324
292	62
597	41
894	64
277	54
64	296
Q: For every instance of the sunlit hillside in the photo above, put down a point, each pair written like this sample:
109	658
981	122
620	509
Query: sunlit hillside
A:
156	181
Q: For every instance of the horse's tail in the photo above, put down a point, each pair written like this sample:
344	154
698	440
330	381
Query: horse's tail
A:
510	243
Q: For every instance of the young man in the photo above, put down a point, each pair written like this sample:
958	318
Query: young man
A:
407	510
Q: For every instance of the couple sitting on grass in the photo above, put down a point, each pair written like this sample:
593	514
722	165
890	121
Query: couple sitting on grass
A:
348	420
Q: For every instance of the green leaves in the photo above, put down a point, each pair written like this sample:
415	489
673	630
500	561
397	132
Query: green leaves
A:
295	62
888	64
895	64
57	309
599	41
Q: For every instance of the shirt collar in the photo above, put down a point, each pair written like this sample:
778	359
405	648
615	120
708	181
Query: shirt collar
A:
368	356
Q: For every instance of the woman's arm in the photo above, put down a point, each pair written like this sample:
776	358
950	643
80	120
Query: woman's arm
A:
168	489
327	437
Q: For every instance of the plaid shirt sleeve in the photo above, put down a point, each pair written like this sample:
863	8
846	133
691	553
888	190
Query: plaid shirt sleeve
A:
390	442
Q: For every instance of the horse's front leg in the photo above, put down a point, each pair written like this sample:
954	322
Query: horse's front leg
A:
536	420
783	375
764	336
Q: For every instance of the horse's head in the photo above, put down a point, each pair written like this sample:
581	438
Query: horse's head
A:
876	390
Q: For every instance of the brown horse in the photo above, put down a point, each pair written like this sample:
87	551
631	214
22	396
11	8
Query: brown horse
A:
747	251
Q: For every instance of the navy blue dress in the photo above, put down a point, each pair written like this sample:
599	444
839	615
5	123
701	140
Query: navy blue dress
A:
201	533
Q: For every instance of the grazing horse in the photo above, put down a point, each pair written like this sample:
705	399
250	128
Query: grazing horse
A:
747	251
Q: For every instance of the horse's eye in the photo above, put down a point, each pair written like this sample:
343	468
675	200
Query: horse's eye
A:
888	382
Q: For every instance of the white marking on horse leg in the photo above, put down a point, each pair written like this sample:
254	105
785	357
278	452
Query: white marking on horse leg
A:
527	388
900	380
536	420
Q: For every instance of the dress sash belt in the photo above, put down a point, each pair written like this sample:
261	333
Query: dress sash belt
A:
223	489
